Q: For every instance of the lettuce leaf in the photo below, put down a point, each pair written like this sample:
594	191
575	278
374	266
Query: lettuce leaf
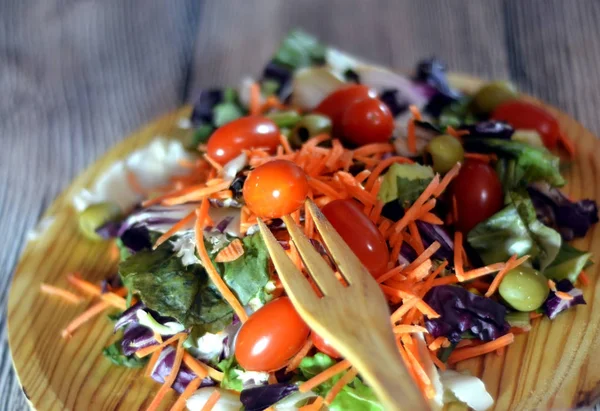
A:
299	49
114	353
404	183
568	263
354	397
230	369
515	230
186	293
532	163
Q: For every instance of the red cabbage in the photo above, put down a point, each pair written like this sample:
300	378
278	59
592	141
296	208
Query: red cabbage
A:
393	99
136	337
163	368
555	305
461	311
204	105
433	73
260	398
490	129
432	232
128	316
554	209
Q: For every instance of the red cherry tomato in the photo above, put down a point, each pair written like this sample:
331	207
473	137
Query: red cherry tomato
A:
367	121
478	193
323	346
337	102
361	235
228	141
275	189
524	115
270	337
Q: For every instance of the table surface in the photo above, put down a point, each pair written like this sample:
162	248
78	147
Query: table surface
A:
78	76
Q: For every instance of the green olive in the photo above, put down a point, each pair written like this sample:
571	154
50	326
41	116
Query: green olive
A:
492	95
309	126
284	118
524	289
95	216
445	152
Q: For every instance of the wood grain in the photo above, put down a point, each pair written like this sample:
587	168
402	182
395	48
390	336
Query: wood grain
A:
553	366
76	76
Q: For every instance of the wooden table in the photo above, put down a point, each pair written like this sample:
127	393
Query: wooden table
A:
77	76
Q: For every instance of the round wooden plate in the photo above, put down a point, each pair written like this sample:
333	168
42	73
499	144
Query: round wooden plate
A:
553	366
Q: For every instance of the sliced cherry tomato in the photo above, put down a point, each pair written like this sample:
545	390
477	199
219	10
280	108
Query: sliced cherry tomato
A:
478	193
524	115
361	235
228	141
324	346
271	337
275	189
367	121
334	105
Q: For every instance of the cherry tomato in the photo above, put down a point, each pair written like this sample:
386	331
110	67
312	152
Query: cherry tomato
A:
228	141
323	346
367	121
361	235
335	104
524	115
270	337
276	188
478	193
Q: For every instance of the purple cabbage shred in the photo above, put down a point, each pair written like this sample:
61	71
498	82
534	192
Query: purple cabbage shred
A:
490	129
163	368
555	305
262	397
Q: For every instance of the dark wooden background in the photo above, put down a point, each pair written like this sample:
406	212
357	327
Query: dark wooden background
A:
76	76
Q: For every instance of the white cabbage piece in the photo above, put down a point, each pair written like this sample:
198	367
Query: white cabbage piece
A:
228	401
169	328
185	248
312	84
467	389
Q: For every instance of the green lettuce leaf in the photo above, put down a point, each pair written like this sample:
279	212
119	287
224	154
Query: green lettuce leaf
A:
356	396
230	369
405	183
532	163
515	230
300	49
568	263
186	293
114	353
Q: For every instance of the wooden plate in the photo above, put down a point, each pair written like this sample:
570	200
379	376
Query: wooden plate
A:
553	366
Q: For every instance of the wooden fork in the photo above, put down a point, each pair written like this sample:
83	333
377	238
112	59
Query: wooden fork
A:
355	319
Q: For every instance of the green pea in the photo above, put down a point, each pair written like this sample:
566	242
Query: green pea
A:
285	118
95	216
492	95
445	152
309	126
524	289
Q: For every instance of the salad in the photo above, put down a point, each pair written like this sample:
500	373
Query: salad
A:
451	201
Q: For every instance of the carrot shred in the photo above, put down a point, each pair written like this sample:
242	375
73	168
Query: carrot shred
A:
59	292
196	195
437	343
462	354
374	148
448	177
323	188
422	271
481	271
533	316
114	300
437	361
201	369
584	278
213	162
407	329
424	256
212	272
415	209
324	376
552	285
340	384
381	166
143	352
363	175
295	361
174	229
563	296
316	405
86	316
254	99
283	140
416	236
83	285
510	264
212	400
458	256
232	252
458	134
152	363
403	309
187	393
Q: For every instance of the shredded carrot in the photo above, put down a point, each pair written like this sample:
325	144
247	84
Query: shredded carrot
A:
416	207
431	219
201	369
374	148
232	252
143	352
533	316
170	379
324	376
160	199
403	309
424	256
552	285
449	279
461	354
114	252
134	183
485	158
458	256
187	393
450	175
340	384
407	329
295	361
86	316
254	99
383	165
437	361
212	272
323	188
584	278
478	272
59	292
563	296
437	343
457	133
213	162
316	405
510	264
212	400
416	236
196	195
114	300
83	285
567	144
421	271
152	363
363	175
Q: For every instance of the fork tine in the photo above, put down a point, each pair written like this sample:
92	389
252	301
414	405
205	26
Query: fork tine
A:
296	285
318	268
348	263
